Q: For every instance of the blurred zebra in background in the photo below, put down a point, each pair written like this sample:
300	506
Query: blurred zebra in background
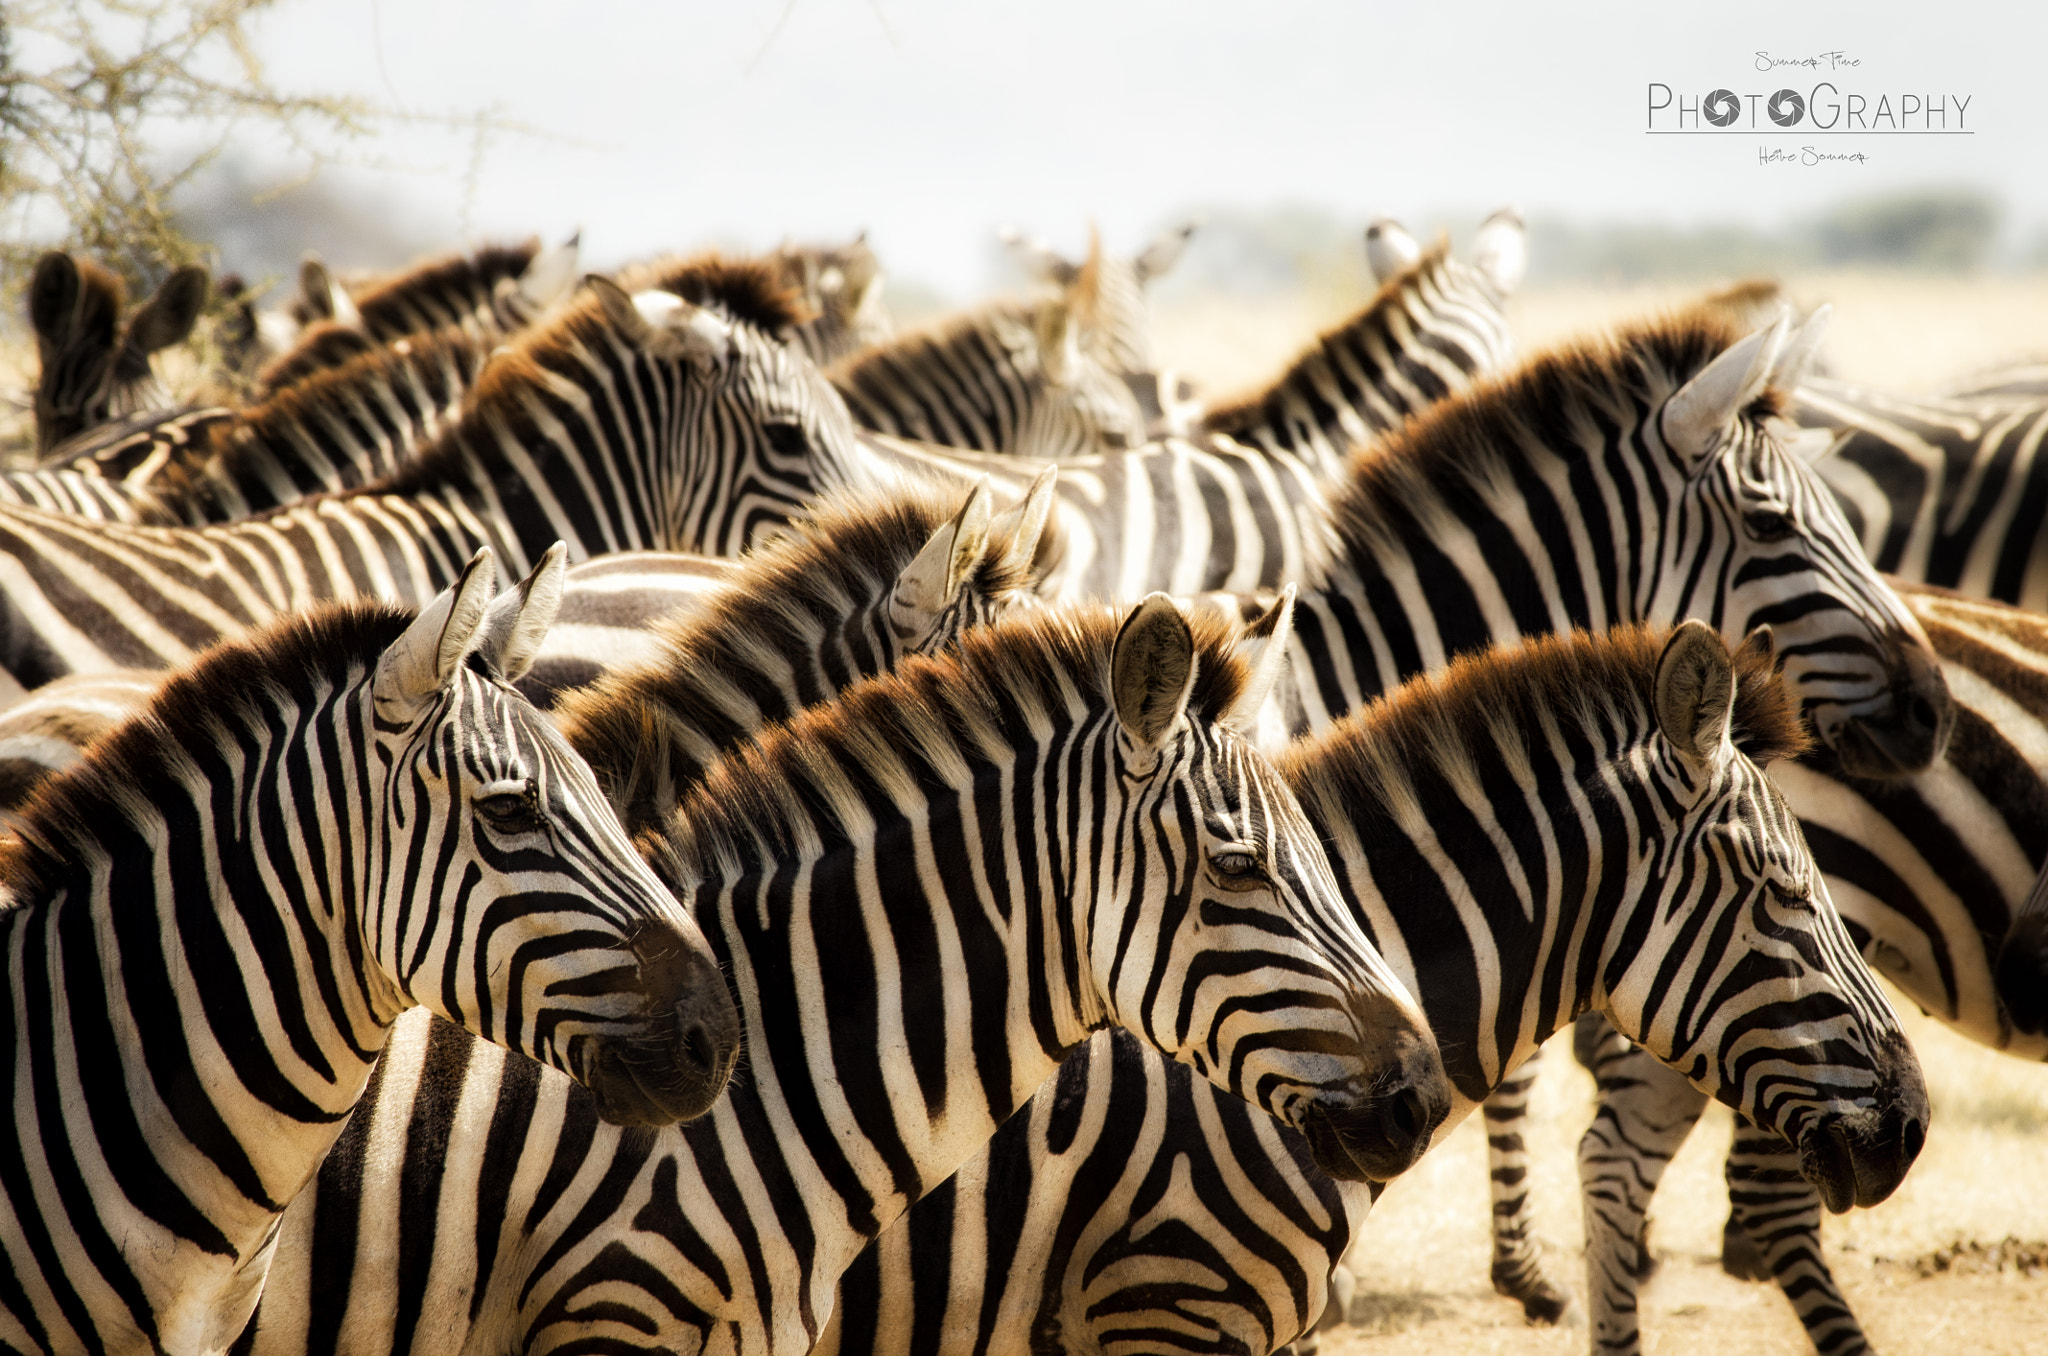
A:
93	366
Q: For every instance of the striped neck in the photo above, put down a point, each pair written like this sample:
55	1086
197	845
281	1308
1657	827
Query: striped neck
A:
1430	332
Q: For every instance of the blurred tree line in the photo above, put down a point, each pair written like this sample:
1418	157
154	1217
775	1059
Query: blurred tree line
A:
1294	245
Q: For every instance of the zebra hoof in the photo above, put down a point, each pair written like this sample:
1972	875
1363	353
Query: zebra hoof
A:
1740	1256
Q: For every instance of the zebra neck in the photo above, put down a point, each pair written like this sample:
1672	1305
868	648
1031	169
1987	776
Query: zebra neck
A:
894	1002
1498	919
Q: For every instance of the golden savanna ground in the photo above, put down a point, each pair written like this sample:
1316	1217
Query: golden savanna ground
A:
1983	1177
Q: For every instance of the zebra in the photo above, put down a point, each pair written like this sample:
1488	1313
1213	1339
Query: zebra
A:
92	366
1938	880
322	826
342	428
1120	334
1435	327
489	294
1941	490
858	582
1010	377
2014	379
1247	510
1051	828
1578	821
625	423
842	286
858	579
1444	527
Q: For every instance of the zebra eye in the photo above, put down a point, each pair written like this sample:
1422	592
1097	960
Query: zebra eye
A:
1235	868
1769	524
788	440
509	812
1791	894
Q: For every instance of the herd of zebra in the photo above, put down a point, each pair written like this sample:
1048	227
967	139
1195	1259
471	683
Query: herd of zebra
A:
1219	799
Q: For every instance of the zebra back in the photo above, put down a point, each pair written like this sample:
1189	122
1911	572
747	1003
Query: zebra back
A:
93	367
1010	377
212	920
1940	490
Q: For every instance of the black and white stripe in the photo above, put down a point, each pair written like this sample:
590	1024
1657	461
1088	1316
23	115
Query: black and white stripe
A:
212	923
1935	876
1537	831
926	892
627	423
1940	490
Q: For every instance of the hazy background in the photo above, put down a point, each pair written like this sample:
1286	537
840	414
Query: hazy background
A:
742	122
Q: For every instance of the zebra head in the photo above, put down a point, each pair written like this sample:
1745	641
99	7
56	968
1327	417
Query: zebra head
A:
749	426
1236	954
970	571
502	892
92	367
1753	538
1738	972
1119	332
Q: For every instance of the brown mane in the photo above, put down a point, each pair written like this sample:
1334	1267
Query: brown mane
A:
1452	451
634	725
146	761
1579	680
1001	688
475	274
752	291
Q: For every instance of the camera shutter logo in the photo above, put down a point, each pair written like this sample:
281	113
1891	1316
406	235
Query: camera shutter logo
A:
1721	107
1786	108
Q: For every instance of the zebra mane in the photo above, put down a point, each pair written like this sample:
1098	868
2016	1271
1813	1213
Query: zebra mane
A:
1433	729
1250	409
1464	452
752	291
804	785
201	715
643	724
474	274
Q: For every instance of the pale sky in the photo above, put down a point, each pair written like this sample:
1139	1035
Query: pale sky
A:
930	121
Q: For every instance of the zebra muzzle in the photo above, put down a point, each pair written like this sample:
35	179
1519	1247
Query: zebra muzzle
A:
1860	1158
675	1067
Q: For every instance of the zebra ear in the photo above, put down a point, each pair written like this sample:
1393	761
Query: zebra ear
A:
1036	257
1802	348
1812	445
421	661
1502	250
1164	251
620	308
1696	694
1389	248
1265	647
324	298
1699	412
1152	671
53	296
1059	342
168	316
934	577
518	621
1025	523
551	274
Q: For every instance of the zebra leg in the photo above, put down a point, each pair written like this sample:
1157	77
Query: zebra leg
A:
1517	1251
1778	1212
1645	1113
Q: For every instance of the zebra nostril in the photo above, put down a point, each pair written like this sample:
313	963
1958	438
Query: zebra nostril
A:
1405	1117
1923	714
1912	1138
